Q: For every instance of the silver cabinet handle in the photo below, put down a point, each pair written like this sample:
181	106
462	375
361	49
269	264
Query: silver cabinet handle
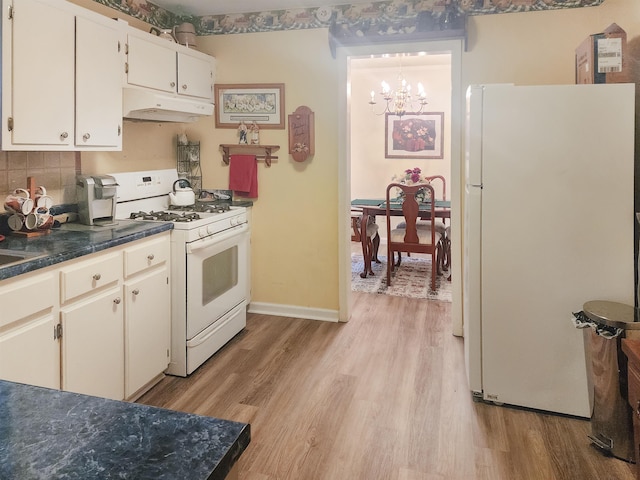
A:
86	137
97	277
172	84
184	87
117	300
150	257
63	135
136	291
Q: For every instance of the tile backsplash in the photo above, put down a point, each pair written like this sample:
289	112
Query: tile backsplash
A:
56	171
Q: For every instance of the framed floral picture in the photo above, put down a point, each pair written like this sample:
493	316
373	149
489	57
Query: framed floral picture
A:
260	103
414	135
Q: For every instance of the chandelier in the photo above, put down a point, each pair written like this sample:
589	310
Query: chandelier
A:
400	101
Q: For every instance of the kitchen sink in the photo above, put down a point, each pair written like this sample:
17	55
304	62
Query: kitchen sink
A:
8	257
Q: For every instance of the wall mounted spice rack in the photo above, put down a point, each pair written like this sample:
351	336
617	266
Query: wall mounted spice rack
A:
248	149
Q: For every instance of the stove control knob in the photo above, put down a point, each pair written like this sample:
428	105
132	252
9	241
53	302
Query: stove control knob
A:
233	221
210	230
202	232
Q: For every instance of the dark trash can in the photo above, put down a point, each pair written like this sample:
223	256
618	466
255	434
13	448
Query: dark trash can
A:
605	324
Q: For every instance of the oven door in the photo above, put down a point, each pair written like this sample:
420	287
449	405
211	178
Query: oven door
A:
216	277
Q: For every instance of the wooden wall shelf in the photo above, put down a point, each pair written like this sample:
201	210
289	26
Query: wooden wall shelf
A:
265	151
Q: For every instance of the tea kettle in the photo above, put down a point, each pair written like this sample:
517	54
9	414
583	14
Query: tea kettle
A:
165	33
182	194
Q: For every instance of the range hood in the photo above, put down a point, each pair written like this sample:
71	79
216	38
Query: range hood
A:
142	104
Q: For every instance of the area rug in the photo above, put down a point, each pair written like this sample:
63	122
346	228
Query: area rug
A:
412	279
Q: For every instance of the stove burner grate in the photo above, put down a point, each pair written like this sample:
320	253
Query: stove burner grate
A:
204	207
165	216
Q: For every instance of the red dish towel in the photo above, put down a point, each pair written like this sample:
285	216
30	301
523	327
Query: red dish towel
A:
243	175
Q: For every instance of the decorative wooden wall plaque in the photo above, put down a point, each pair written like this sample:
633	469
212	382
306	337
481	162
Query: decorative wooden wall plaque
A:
301	134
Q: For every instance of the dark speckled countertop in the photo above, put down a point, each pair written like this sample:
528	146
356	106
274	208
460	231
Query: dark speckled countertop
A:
50	434
73	240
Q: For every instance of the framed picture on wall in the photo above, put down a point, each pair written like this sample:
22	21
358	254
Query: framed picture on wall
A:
414	135
261	103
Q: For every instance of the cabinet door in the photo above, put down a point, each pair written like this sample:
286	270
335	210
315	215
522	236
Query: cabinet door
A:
148	329
99	66
195	76
42	83
93	346
151	64
30	354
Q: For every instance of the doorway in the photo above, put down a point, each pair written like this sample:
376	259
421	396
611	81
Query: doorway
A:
364	64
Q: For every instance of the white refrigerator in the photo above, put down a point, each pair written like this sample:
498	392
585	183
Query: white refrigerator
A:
548	225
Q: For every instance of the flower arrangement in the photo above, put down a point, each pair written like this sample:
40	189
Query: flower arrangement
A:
412	176
300	147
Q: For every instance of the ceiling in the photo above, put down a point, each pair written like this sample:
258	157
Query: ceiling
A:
201	8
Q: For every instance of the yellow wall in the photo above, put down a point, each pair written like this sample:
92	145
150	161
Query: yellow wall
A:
295	217
538	47
294	236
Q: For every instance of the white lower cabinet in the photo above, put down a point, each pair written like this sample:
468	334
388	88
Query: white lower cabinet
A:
92	316
148	329
147	295
29	351
93	345
98	325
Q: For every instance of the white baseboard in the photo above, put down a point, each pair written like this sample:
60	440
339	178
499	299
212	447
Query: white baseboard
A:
293	311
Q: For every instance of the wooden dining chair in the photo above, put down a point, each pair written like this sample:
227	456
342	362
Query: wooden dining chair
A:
373	238
446	251
356	216
440	194
412	239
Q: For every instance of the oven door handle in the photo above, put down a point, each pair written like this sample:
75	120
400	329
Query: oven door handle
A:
216	238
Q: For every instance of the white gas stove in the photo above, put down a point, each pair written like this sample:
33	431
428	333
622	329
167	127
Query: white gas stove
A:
209	256
145	196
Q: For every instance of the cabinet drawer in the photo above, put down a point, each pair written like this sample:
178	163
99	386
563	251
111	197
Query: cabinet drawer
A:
90	275
25	297
149	254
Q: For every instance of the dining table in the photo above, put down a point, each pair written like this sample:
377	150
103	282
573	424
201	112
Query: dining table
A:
378	206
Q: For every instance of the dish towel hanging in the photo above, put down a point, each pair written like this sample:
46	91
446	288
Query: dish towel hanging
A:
243	175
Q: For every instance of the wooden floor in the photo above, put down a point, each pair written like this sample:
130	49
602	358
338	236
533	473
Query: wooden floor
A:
383	396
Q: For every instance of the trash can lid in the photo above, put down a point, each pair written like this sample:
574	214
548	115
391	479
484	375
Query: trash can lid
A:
612	314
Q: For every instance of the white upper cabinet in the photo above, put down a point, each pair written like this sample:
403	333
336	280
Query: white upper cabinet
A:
156	63
61	77
150	64
195	76
37	75
99	64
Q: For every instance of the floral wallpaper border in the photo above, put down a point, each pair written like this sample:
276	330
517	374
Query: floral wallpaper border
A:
391	16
